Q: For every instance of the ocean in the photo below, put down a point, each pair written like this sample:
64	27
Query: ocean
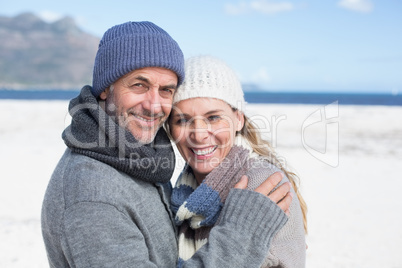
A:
250	96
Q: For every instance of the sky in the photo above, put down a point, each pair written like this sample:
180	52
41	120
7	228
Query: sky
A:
276	45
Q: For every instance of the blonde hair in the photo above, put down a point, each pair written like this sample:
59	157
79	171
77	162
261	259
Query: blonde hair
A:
263	148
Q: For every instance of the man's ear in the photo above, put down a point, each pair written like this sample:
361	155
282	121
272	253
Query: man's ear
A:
104	94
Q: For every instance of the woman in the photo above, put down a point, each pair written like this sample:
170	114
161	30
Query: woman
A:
220	144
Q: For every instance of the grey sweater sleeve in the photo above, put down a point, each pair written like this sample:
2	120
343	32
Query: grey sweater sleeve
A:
288	247
243	235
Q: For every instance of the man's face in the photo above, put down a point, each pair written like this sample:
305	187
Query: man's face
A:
141	101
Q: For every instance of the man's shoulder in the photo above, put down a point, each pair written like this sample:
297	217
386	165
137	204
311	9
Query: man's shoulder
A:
87	179
77	165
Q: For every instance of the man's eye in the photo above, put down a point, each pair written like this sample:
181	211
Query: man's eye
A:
139	85
166	92
139	88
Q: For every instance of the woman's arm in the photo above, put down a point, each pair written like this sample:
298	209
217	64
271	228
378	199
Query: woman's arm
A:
248	222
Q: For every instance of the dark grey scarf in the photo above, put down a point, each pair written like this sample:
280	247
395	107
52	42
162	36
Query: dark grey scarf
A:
95	134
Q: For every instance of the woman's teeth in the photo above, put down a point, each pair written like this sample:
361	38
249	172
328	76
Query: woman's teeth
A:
204	151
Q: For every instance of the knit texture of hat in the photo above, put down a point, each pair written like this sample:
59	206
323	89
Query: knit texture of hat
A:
209	77
134	45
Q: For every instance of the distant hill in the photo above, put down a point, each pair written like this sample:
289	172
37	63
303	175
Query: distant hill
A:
37	54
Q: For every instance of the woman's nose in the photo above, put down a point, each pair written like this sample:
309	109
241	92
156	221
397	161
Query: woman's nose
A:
200	131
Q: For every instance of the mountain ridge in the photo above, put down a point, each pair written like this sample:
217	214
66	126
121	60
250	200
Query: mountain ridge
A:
41	55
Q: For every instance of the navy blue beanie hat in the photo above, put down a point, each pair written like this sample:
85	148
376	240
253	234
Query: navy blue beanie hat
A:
134	45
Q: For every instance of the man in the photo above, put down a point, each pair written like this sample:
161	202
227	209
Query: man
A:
107	203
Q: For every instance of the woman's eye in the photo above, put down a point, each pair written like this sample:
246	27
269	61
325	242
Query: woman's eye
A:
182	121
214	118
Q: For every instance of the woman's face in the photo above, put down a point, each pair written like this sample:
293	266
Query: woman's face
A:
204	130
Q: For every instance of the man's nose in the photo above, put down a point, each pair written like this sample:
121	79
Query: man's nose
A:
153	101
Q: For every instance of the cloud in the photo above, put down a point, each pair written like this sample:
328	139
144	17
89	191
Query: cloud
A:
364	6
49	16
259	6
261	76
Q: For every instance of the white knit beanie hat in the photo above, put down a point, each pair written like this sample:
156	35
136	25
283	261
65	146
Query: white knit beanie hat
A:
210	77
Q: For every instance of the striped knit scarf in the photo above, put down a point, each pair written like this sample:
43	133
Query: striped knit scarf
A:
197	208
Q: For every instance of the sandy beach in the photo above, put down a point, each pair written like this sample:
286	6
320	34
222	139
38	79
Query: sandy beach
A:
347	158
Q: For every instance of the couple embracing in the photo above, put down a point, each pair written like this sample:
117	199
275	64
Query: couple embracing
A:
234	204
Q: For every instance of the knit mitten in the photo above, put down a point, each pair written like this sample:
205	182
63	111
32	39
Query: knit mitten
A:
228	173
